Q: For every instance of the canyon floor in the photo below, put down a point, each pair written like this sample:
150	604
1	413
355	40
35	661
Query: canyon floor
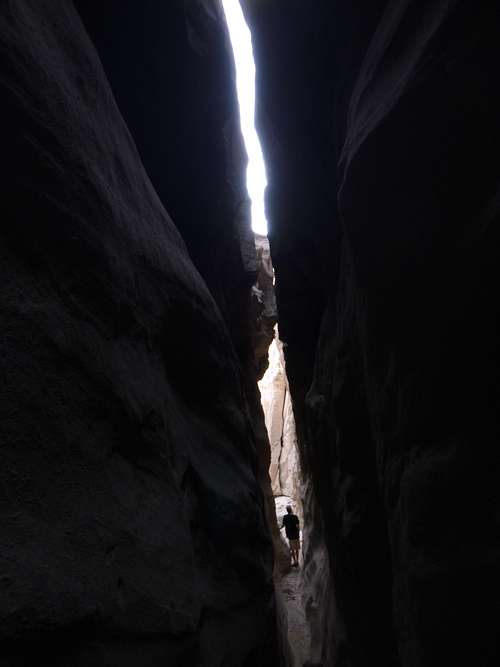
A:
297	629
290	591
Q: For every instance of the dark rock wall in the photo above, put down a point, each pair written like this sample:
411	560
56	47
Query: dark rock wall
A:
171	70
381	135
170	66
133	527
264	310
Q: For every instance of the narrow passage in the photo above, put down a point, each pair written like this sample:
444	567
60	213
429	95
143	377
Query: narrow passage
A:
285	481
275	393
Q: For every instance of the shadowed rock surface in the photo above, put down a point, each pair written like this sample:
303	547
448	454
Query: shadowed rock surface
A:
381	135
265	314
135	503
171	68
133	527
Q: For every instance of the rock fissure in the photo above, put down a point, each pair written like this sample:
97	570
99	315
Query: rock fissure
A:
153	423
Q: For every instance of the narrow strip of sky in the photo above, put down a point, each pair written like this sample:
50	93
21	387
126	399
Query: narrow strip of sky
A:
241	41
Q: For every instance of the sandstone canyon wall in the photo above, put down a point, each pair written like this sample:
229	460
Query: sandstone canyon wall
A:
171	69
265	313
133	519
381	136
280	424
135	500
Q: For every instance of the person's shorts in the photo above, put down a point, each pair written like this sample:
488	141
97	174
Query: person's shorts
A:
294	544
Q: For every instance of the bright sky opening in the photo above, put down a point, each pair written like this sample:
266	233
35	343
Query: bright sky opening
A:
241	41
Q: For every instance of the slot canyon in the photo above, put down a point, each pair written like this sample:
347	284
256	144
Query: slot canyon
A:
172	379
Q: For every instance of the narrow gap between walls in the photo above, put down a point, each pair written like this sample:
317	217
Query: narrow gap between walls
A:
284	472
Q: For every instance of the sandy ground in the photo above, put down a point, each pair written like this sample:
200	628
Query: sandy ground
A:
290	591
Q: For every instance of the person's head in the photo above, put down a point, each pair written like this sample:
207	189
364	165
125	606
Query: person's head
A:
289	509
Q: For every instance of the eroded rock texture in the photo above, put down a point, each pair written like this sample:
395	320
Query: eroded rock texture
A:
280	424
381	134
265	314
170	67
133	527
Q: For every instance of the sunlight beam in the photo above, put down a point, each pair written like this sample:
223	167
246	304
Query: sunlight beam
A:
241	42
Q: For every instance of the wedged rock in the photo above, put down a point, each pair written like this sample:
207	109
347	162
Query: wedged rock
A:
272	389
284	469
133	527
289	460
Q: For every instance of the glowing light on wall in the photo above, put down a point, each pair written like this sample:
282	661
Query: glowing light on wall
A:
241	42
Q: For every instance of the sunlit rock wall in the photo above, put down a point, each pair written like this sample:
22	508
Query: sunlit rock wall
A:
133	520
280	424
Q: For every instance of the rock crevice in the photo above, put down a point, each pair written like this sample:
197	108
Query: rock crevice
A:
133	509
379	127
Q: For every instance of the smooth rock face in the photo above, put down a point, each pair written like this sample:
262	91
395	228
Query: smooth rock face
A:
381	136
133	527
170	67
280	424
289	462
272	390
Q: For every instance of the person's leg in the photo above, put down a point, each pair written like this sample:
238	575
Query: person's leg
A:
293	551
